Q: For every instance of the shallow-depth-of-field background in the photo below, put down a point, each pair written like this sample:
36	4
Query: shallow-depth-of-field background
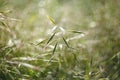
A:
59	40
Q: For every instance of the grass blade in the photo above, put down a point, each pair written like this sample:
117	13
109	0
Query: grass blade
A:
51	19
54	48
80	32
51	38
91	61
66	42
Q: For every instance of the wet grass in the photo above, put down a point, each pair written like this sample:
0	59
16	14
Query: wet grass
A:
59	40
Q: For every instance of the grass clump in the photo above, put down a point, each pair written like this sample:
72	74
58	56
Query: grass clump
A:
78	40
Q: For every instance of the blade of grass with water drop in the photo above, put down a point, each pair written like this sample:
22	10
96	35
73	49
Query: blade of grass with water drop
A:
54	48
91	61
42	41
80	32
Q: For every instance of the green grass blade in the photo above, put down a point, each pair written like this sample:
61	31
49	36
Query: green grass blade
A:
51	38
54	48
79	32
91	61
66	42
51	19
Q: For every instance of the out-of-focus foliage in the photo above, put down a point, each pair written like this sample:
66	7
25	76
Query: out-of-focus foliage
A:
59	40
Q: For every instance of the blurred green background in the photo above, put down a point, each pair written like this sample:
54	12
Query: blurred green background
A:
59	40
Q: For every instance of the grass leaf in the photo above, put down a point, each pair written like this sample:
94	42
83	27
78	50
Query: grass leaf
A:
51	38
66	42
51	19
